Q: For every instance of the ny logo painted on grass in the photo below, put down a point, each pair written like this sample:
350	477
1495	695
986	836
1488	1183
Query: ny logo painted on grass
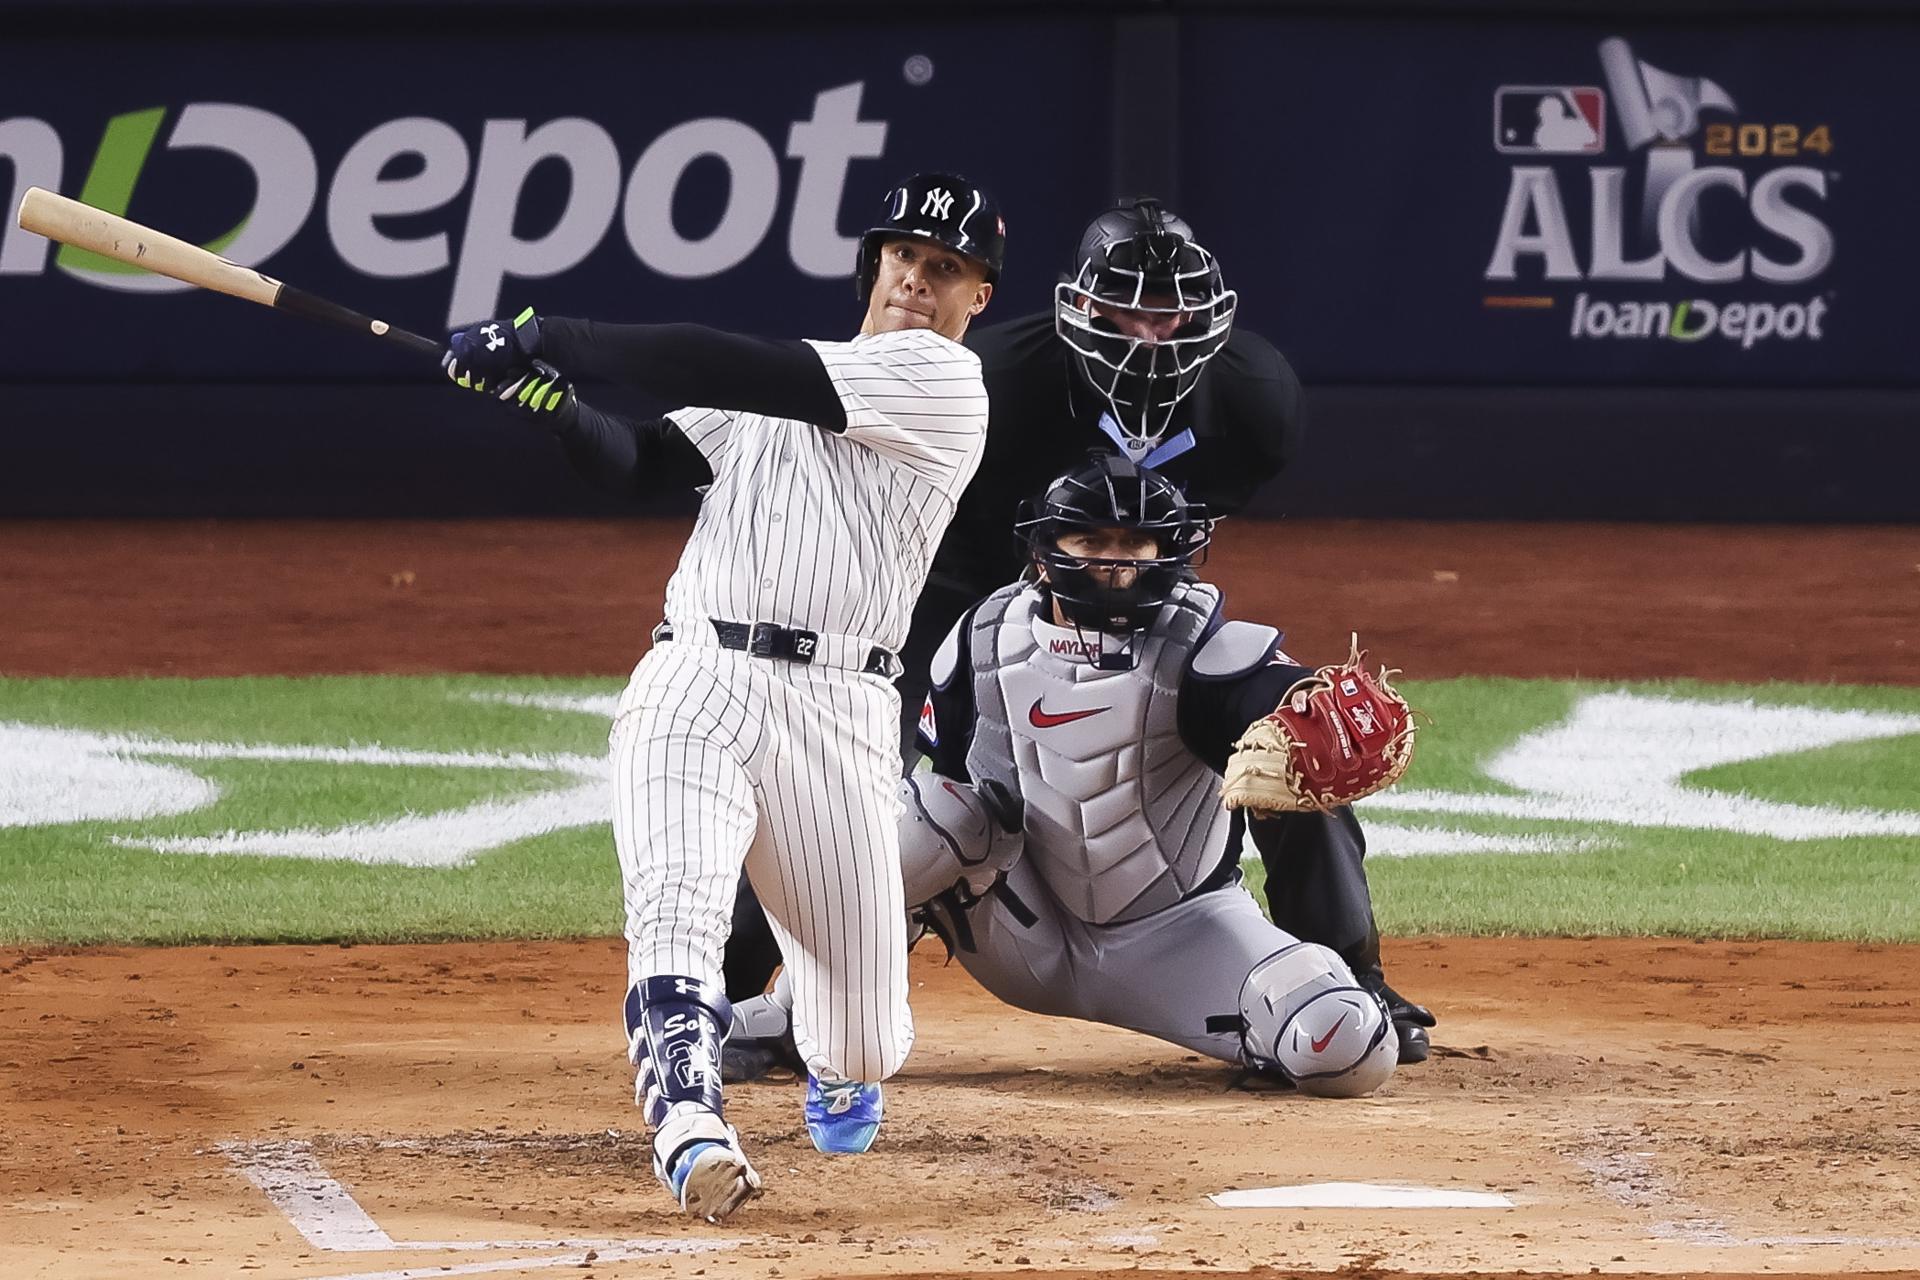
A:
1618	758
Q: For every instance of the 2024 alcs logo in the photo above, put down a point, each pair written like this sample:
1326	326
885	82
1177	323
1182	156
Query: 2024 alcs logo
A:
1659	114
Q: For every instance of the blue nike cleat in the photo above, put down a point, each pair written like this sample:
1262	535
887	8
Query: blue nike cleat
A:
843	1116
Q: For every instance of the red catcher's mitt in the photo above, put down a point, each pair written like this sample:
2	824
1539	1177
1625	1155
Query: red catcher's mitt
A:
1336	736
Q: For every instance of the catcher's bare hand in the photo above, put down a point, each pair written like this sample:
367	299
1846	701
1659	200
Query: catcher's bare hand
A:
1336	736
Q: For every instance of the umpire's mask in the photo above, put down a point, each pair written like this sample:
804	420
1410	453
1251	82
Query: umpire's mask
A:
1143	313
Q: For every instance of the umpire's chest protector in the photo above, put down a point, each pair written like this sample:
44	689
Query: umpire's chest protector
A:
1122	819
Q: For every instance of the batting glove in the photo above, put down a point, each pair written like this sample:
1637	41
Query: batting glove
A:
482	356
543	394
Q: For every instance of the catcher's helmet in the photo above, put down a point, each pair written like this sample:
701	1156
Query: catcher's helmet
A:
1110	492
1140	259
943	207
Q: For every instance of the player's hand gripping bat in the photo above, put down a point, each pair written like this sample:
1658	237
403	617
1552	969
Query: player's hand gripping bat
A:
111	236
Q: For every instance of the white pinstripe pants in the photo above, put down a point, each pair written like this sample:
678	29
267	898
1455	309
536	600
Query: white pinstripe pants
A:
720	760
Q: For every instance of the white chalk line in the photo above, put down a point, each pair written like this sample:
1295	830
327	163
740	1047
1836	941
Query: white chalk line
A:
328	1217
604	705
617	1253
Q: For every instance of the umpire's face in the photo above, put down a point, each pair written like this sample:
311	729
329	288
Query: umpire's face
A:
1157	319
922	284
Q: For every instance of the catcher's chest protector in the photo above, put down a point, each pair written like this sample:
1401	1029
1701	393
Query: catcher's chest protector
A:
1122	819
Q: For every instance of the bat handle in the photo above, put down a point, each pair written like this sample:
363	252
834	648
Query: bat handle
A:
301	303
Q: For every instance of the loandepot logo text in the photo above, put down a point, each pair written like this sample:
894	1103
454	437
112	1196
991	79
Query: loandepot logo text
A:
1742	323
1722	200
439	168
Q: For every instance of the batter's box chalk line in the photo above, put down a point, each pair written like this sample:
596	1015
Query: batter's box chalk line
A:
328	1217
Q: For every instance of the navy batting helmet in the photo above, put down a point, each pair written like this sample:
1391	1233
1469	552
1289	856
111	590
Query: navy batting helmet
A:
942	207
1110	492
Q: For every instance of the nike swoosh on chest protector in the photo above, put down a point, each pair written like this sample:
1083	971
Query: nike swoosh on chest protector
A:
1042	719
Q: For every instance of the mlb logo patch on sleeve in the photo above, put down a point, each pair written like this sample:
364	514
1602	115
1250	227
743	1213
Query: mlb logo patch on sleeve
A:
1549	120
927	728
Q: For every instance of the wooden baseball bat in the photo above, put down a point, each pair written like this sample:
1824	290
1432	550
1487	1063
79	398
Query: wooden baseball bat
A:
111	236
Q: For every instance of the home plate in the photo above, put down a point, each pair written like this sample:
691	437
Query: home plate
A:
1358	1195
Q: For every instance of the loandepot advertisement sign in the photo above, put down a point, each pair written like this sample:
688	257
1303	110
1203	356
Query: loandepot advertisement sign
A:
1681	188
687	175
422	165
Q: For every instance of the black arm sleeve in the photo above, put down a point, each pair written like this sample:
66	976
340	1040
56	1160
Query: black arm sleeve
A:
1214	713
629	456
689	364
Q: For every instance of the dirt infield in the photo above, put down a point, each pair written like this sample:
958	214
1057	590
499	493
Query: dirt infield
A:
397	1112
1438	599
1647	1107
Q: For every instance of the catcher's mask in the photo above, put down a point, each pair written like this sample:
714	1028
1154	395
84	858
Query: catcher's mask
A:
1110	492
944	208
1144	312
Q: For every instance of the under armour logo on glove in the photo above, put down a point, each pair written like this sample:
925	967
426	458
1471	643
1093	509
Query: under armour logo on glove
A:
494	340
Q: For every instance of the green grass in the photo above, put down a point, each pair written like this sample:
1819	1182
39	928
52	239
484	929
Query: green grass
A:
71	883
1694	884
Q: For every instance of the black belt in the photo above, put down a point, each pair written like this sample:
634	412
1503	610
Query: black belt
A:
788	644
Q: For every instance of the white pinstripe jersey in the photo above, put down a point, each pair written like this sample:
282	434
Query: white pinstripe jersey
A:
830	531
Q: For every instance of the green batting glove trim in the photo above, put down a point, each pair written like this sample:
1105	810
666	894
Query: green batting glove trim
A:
553	401
527	390
465	380
523	317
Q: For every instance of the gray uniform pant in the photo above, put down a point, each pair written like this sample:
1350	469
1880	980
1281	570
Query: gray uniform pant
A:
1169	975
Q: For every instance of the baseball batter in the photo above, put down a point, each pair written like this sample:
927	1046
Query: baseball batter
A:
1072	843
759	732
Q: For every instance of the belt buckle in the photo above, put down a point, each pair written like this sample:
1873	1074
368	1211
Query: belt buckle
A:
763	640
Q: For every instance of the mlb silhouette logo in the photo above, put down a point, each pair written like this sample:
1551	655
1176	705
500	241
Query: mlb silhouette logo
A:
1549	120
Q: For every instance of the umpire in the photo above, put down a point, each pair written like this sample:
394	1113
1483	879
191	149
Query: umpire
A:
1139	356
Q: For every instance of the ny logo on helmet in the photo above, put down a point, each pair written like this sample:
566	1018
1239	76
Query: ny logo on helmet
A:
938	202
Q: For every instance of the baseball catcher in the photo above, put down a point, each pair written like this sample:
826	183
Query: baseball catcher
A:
1101	738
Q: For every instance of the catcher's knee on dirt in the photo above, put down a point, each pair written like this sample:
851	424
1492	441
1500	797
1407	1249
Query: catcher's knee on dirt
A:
762	1036
953	833
1303	1014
